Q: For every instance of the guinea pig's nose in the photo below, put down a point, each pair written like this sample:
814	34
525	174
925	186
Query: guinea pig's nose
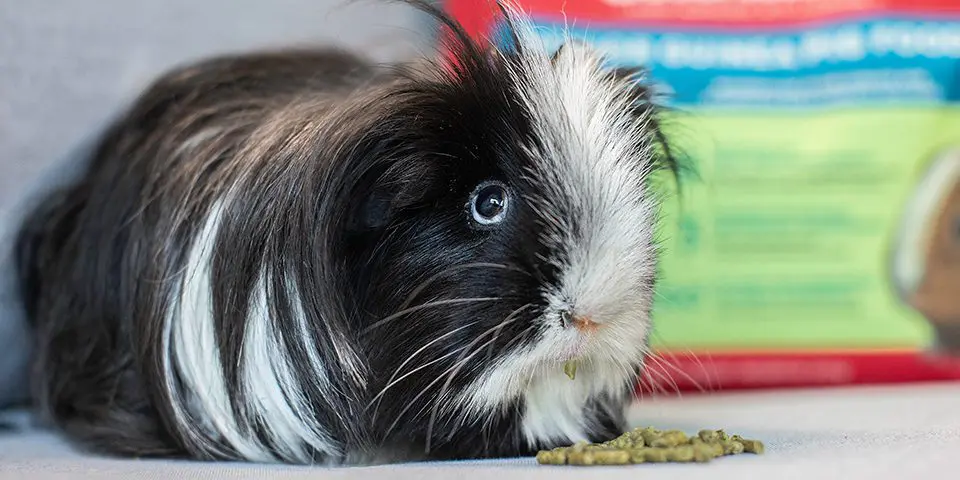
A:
582	323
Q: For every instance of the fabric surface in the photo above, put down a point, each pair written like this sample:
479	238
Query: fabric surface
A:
67	67
908	432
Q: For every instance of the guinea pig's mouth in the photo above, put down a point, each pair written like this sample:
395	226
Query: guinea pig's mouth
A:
609	338
573	351
575	344
603	356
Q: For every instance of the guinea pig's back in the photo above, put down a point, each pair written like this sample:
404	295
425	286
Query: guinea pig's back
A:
245	86
96	258
180	129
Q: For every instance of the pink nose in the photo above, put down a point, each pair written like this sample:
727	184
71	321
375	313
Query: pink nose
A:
582	323
585	324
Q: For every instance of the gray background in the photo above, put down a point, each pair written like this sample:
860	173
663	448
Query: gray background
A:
67	66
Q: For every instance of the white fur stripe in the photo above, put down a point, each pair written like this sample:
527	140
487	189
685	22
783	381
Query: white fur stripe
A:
272	392
196	355
272	396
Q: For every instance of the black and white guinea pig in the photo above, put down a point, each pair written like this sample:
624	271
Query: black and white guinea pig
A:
299	256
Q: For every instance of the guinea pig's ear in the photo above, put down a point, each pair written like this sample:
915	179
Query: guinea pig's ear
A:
650	113
372	213
387	191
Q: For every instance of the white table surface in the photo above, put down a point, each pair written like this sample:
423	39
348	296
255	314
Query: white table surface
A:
899	432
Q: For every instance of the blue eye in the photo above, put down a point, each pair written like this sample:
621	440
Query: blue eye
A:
489	203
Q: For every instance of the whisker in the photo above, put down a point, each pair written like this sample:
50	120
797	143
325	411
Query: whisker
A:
435	303
449	375
393	425
391	382
438	379
425	365
649	380
666	377
497	328
668	364
702	367
489	419
500	330
434	277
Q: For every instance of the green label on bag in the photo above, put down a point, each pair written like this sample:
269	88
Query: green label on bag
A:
786	239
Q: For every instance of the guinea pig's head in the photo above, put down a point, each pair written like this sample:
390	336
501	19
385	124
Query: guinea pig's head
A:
505	224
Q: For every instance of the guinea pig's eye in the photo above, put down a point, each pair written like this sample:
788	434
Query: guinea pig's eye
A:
489	203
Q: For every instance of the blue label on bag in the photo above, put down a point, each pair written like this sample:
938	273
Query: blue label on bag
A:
899	62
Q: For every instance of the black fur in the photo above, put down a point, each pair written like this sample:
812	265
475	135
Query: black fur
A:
346	180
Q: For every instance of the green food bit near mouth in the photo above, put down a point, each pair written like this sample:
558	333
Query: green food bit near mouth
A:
650	445
570	368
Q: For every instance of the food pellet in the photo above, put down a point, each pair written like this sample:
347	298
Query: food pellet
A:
708	436
752	446
551	457
680	454
749	446
570	368
715	448
656	455
651	445
732	447
704	453
600	457
670	438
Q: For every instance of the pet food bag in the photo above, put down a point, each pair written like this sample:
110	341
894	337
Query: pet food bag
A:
819	243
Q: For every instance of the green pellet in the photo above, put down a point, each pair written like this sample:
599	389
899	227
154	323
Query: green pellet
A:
656	455
651	445
570	368
680	454
619	442
599	457
580	458
732	447
716	448
670	438
611	457
551	457
704	453
649	435
708	436
752	446
631	439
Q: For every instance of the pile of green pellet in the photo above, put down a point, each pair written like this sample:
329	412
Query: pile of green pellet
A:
649	445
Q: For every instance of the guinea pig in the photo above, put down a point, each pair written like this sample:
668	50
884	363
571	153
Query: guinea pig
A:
300	256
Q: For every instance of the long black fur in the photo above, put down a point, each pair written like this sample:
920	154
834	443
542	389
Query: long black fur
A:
345	179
